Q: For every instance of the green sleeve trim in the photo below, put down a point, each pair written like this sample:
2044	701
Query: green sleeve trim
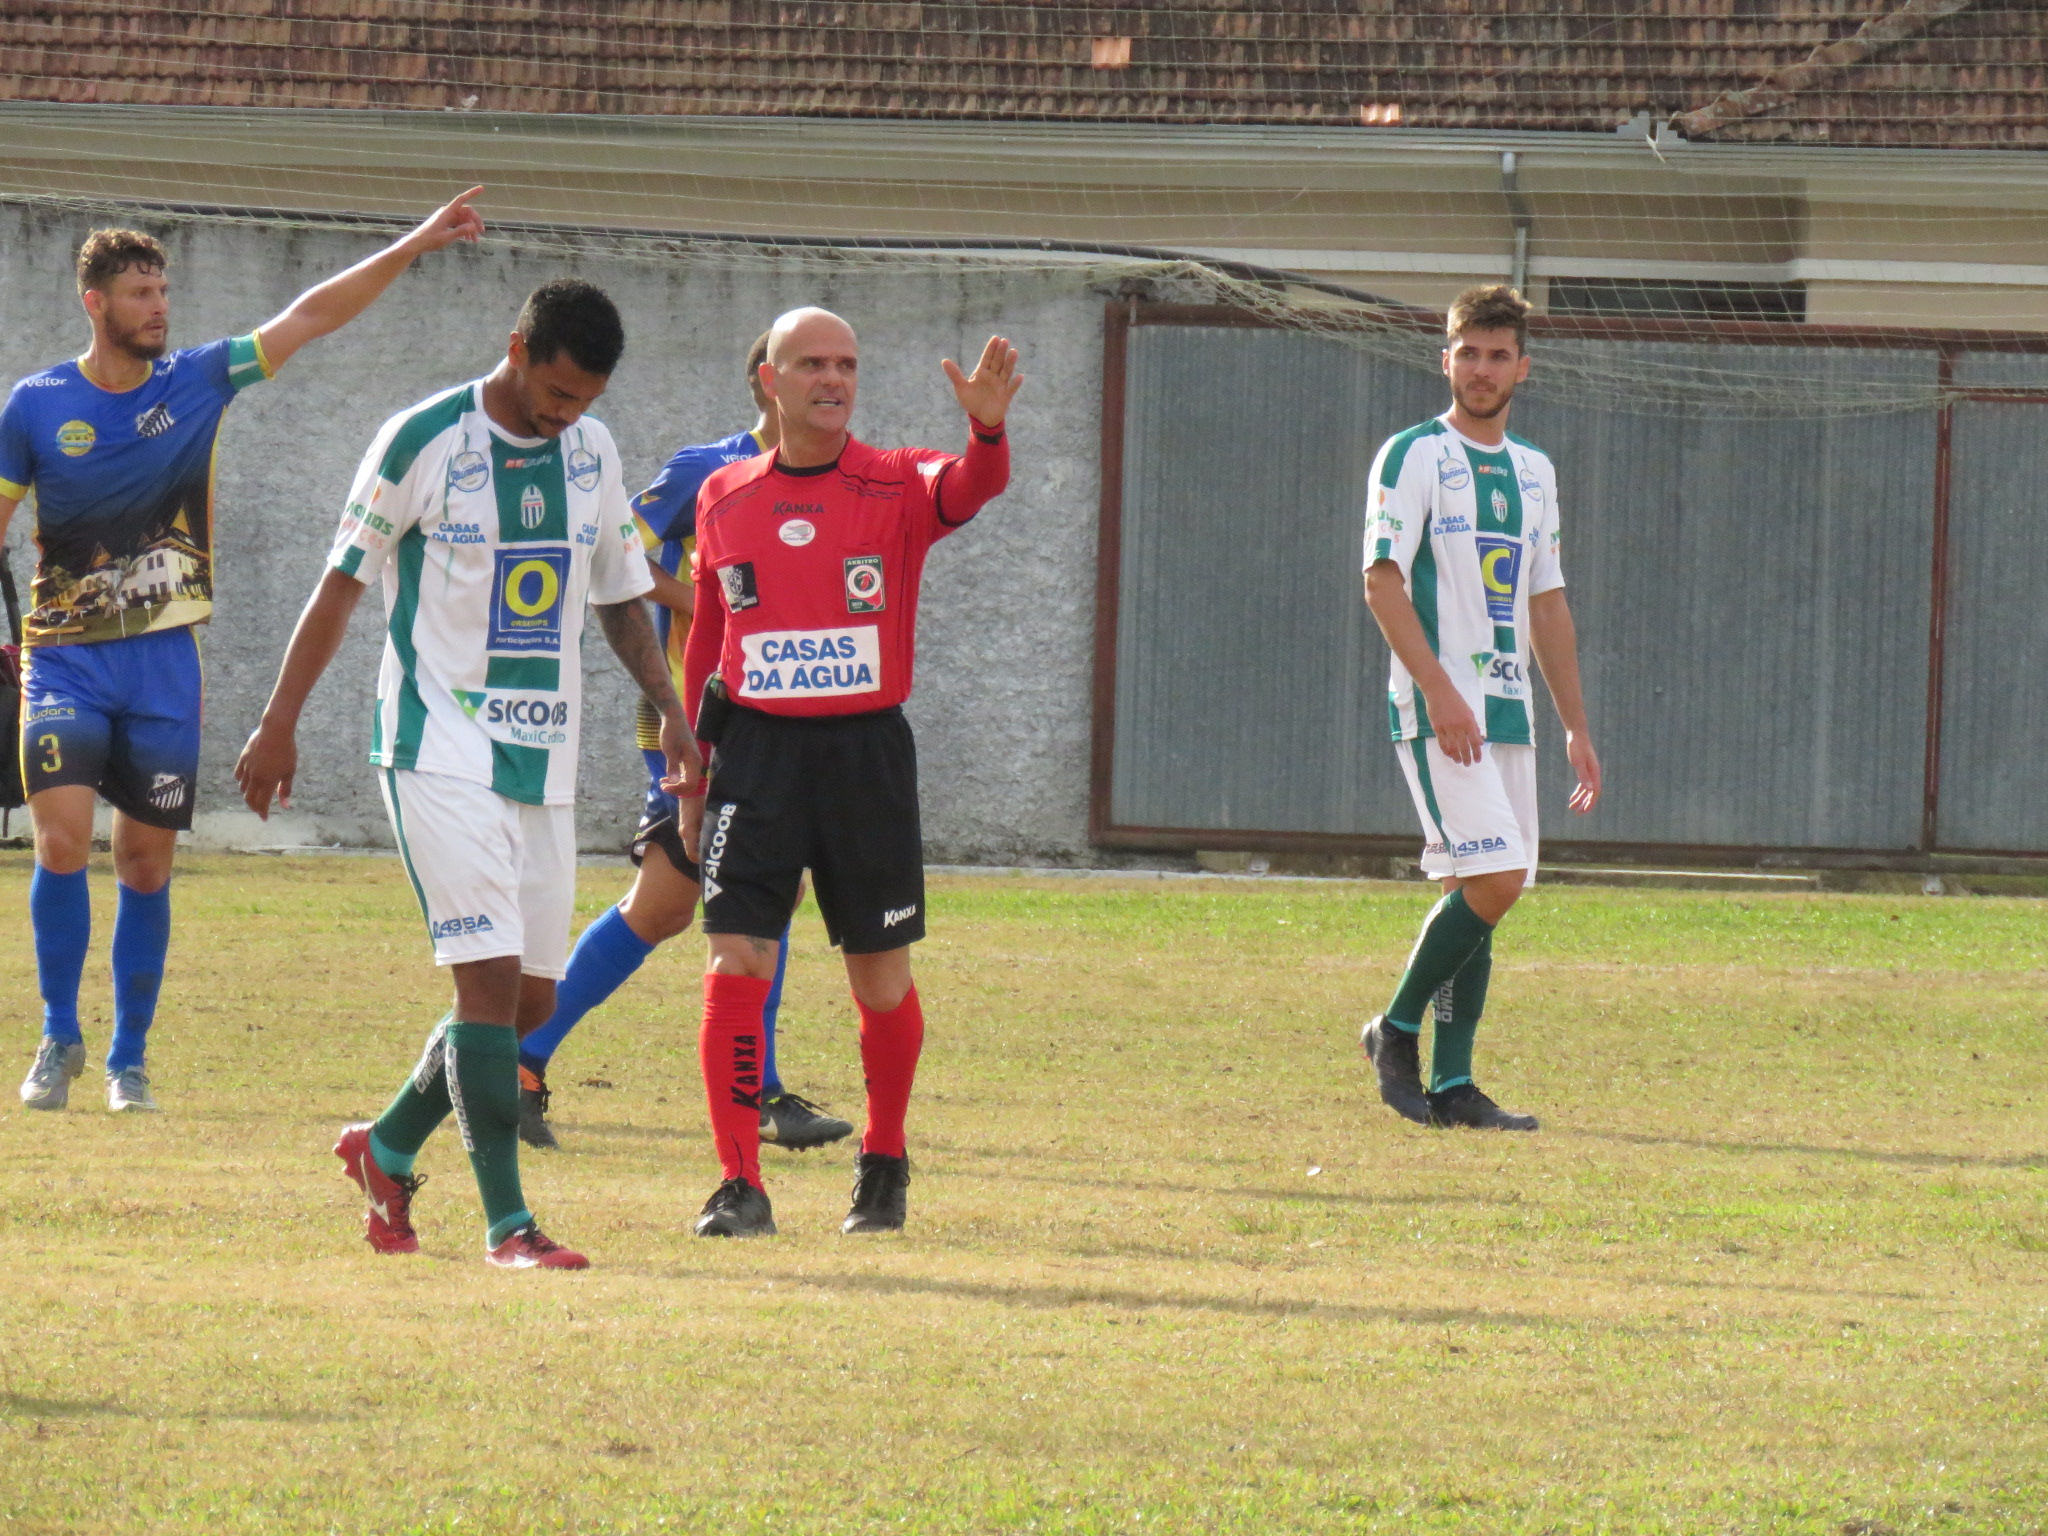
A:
1398	446
350	562
420	429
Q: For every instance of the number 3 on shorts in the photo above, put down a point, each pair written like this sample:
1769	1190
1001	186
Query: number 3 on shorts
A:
53	754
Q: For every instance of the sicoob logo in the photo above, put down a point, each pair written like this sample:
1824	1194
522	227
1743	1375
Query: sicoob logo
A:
526	599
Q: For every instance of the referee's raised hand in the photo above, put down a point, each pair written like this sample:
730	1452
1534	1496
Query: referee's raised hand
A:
986	393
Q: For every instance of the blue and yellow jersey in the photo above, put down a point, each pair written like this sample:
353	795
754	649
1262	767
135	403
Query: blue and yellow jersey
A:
667	513
123	486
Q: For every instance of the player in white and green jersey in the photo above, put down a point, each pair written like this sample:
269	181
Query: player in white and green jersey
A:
1462	571
492	513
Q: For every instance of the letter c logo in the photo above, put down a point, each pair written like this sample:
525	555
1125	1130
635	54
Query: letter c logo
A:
1489	564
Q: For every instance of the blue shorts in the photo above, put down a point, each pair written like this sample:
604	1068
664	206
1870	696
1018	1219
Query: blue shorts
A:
119	715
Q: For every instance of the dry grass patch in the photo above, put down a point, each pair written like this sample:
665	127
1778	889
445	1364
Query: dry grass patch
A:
1776	1262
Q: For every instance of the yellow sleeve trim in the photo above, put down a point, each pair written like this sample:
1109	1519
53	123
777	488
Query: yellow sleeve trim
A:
12	491
262	357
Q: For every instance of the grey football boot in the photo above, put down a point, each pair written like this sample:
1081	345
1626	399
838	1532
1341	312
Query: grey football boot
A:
48	1084
128	1091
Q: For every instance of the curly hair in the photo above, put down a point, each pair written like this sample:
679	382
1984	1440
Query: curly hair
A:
107	253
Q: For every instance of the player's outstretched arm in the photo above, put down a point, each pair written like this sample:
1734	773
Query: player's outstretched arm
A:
332	304
986	393
1450	717
1556	643
270	759
630	633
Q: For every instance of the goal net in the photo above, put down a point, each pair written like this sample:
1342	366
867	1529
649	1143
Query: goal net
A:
1654	174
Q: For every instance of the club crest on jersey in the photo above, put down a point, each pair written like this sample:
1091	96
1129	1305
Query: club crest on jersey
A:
527	593
737	581
1452	472
584	468
864	584
1500	568
155	421
533	508
468	471
75	439
1500	507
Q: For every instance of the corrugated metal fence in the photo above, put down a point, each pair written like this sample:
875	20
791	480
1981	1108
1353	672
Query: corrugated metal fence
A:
1754	602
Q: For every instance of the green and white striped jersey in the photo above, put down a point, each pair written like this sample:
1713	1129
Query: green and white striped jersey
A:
1474	531
489	546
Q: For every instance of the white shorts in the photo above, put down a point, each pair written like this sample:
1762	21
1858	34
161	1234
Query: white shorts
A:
1478	820
494	877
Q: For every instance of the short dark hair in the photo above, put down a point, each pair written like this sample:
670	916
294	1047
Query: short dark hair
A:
1490	307
570	315
757	354
107	253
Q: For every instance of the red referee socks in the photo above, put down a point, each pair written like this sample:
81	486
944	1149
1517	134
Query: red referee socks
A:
889	1045
729	1049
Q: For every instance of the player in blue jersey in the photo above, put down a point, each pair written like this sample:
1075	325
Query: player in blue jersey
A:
663	899
118	446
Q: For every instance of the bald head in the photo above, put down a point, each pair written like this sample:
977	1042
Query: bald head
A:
809	376
808	327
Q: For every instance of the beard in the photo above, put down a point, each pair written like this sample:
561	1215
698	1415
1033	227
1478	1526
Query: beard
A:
131	342
1487	412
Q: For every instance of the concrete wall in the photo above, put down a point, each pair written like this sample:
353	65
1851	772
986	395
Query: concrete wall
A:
1007	628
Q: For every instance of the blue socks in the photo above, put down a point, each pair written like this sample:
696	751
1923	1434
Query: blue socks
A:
604	959
142	936
60	910
771	1080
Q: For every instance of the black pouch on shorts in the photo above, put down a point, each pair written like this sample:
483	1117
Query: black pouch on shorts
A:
714	710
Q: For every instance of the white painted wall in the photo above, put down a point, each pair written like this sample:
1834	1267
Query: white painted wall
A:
1001	706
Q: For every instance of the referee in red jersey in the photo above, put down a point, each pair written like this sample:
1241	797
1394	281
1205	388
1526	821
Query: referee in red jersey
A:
807	569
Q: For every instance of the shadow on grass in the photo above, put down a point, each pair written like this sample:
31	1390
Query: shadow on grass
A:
2033	1160
1242	1192
21	1406
1057	1297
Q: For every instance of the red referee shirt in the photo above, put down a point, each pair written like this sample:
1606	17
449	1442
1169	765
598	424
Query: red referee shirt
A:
807	580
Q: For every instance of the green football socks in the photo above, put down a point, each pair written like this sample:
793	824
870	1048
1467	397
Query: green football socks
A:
422	1104
1459	1003
483	1078
1450	934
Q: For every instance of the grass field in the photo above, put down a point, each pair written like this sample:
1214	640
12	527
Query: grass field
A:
1778	1260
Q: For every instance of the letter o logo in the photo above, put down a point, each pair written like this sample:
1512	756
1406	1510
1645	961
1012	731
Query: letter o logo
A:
547	591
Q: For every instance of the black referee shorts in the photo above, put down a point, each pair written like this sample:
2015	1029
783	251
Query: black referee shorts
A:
836	795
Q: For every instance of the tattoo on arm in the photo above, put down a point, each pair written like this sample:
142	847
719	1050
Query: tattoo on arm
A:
630	634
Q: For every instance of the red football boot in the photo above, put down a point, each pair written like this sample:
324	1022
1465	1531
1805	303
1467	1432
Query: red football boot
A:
387	1225
531	1248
